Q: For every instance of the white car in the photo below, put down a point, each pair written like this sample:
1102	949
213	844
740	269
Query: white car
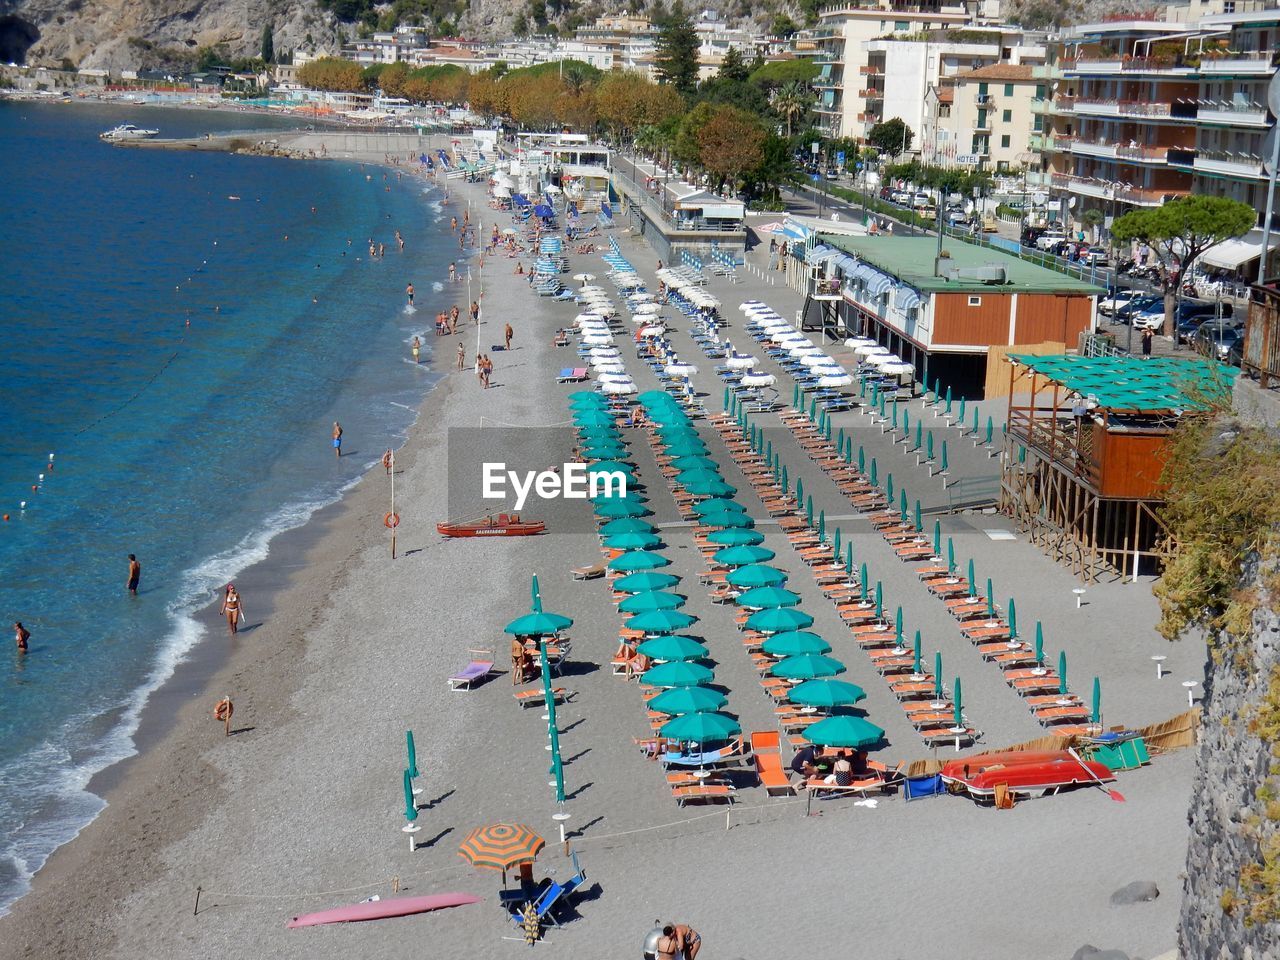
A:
1048	239
1109	305
1150	319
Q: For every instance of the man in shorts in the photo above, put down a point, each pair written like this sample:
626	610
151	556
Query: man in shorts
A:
135	574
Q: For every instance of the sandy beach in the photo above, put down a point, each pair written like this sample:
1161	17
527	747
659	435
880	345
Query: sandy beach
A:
301	808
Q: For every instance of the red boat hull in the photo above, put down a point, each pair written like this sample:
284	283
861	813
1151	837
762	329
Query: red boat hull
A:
380	909
1026	773
499	526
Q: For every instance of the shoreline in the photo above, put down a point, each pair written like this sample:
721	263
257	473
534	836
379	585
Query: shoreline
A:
173	708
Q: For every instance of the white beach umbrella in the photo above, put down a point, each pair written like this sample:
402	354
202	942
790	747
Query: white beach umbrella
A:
758	379
883	359
618	388
806	349
509	231
817	360
843	380
606	367
605	351
584	277
642	297
551	188
747	305
501	192
740	363
868	350
854	342
648	308
653	330
897	369
680	369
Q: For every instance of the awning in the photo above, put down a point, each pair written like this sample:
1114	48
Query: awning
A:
1231	254
906	298
879	283
845	263
820	254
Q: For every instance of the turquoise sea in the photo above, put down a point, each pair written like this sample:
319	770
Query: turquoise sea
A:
161	343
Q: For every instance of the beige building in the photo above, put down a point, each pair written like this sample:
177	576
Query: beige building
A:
991	119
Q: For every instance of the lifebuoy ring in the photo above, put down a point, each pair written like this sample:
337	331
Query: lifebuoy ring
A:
391	521
386	457
223	710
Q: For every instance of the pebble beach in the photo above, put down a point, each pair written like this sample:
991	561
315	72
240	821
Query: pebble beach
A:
300	808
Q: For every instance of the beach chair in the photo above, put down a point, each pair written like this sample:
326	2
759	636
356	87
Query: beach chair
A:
572	375
592	572
482	665
704	792
536	698
916	788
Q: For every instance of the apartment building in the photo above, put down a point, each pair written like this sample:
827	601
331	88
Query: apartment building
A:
991	121
1139	112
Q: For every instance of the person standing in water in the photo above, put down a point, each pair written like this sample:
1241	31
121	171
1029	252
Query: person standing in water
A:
135	574
22	635
409	293
417	348
337	439
232	609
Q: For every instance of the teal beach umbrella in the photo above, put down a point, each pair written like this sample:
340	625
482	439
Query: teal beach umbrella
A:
951	556
956	699
778	619
632	541
612	509
644	582
638	560
410	805
937	676
700	727
763	598
1039	644
651	600
1013	620
844	731
973	580
794	643
726	519
756	575
807	666
627	525
916	666
1062	672
672	648
736	537
680	700
413	753
660	621
1095	715
677	674
824	692
740	556
717	505
879	601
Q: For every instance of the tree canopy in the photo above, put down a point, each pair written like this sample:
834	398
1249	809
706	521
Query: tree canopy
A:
677	53
891	136
776	73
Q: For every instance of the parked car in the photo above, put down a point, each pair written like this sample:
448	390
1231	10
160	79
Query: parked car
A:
900	197
1137	305
886	193
1216	339
1114	300
1235	356
1095	255
1050	238
833	173
1149	318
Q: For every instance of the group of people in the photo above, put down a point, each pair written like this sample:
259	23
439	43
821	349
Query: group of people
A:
672	941
777	254
839	769
484	369
522	668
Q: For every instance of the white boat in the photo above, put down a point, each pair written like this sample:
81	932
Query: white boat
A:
127	131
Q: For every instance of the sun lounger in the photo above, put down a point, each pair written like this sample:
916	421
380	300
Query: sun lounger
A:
819	789
706	792
593	572
481	665
773	776
536	698
731	753
572	375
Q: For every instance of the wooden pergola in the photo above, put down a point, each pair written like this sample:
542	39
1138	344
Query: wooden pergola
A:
1085	448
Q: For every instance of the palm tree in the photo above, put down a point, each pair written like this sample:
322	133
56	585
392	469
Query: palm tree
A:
792	101
649	139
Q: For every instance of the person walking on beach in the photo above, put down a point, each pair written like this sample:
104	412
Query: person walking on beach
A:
453	273
454	313
337	439
135	574
462	356
388	461
232	609
417	349
409	293
474	311
22	635
507	334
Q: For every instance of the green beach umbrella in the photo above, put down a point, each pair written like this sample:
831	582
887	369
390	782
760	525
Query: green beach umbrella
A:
536	624
840	441
848	559
973	581
1039	644
778	619
937	536
632	541
822	526
651	600
680	700
795	397
888	489
800	495
627	525
553	727
807	666
701	727
916	666
937	677
928	446
736	537
645	582
677	674
613	509
786	486
413	753
601	433
951	556
958	702
410	804
943	464
1095	715
1012	617
694	462
906	423
960	413
764	598
687	447
864	579
808	508
919	435
844	731
824	692
651	397
607	466
793	643
673	648
862	459
756	575
660	621
835	545
725	403
875	480
1062	672
879	601
991	603
638	560
602	449
743	555
710	488
919	522
727	518
975	422
634	496
948	398
698	473
579	396
895	413
592	418
716	505
990	430
897	627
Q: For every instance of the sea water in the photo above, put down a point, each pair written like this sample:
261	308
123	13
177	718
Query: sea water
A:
182	356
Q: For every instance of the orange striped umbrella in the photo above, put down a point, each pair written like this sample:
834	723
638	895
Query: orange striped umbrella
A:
501	846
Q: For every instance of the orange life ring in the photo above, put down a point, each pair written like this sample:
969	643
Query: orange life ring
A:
386	459
223	710
391	521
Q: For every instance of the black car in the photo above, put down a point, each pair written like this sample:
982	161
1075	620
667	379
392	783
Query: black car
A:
1192	313
1216	339
1134	306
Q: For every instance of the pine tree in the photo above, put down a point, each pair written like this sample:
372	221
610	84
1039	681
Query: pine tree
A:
268	44
677	54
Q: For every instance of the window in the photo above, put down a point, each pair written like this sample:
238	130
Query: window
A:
982	89
975	301
901	25
1037	123
1007	116
1004	141
1008	89
982	119
1040	91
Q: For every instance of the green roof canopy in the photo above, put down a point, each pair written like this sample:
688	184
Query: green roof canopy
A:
1154	385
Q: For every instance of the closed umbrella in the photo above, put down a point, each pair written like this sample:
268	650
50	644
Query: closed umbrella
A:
919	524
410	804
651	600
660	621
862	459
1062	672
916	667
677	674
951	555
875	482
937	537
1095	715
844	731
778	619
672	648
632	541
864	582
762	598
644	582
822	526
626	525
957	701
835	545
639	560
739	556
735	537
808	507
973	580
807	666
888	489
824	692
1039	644
701	727
991	602
897	628
937	677
680	700
794	643
879	601
1012	617
756	575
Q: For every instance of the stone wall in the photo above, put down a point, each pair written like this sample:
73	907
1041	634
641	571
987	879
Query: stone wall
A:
1229	819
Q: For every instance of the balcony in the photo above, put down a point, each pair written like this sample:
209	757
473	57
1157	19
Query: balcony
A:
1233	114
871	94
1140	109
1254	63
1114	64
828	83
1109	190
1222	164
868	70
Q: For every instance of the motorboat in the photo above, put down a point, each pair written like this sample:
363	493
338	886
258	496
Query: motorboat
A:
127	131
503	525
1025	773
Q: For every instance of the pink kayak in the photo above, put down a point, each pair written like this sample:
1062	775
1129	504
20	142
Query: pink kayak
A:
378	909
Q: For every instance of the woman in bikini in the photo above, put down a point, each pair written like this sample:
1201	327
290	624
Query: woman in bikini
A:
232	609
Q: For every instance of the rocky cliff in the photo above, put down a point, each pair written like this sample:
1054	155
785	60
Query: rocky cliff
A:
1232	897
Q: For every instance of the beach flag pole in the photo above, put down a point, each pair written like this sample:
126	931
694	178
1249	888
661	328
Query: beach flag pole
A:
395	520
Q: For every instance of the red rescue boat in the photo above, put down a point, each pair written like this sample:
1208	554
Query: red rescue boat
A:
1026	773
503	525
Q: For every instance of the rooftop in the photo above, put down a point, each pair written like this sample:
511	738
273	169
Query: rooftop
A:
998	71
910	259
1154	385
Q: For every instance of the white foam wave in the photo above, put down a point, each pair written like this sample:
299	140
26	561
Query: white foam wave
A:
437	286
